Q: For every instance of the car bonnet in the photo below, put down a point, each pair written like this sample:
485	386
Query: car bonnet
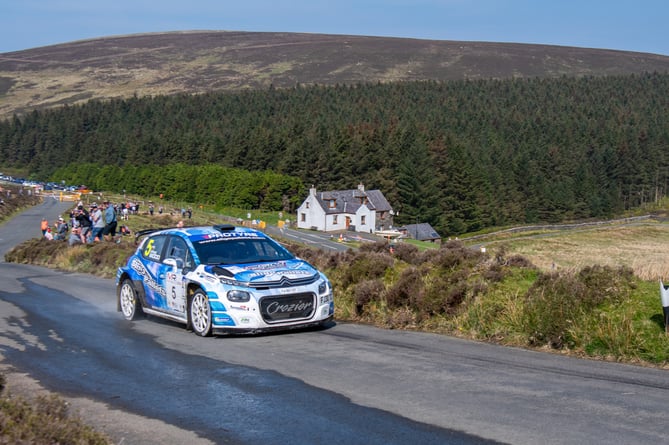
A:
294	270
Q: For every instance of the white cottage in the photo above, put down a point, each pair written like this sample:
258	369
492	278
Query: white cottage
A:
357	210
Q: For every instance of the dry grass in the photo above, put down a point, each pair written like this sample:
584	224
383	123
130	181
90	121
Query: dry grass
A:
42	420
641	246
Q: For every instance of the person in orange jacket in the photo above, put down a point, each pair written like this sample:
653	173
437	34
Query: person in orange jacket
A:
44	226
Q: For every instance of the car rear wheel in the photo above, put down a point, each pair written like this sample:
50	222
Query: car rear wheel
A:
199	312
128	302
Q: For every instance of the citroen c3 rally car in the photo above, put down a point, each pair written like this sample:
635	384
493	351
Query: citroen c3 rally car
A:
222	279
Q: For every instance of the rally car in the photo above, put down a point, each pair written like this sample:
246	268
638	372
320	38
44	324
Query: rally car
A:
222	279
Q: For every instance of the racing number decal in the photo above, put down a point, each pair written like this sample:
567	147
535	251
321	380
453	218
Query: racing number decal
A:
149	247
175	288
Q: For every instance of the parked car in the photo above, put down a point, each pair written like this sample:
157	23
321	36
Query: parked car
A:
222	279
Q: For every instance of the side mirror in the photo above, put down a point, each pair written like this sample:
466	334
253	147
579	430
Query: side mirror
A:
176	263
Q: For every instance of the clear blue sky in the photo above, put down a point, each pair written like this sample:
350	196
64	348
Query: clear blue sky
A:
641	25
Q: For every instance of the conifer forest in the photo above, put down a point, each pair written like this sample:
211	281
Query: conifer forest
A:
460	155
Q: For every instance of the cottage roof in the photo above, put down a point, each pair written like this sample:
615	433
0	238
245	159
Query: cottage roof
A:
421	231
349	201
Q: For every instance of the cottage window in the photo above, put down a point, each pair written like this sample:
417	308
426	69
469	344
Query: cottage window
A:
307	204
334	220
333	203
303	217
362	220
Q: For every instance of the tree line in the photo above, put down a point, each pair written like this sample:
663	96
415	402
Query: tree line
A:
203	184
461	155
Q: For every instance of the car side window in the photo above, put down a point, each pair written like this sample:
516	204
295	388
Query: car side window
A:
178	249
153	248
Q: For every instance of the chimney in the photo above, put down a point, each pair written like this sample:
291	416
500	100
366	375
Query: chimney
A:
361	187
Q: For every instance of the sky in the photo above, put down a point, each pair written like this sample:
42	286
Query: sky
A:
641	25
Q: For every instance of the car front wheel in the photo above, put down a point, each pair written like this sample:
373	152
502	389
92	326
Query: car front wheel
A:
128	302
199	312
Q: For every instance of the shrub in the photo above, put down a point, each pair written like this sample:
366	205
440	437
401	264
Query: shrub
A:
557	301
406	252
367	291
366	266
408	291
443	296
44	420
321	259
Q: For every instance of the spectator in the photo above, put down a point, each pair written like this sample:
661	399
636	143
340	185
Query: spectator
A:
109	232
47	234
98	223
44	225
180	224
84	221
75	236
124	230
61	229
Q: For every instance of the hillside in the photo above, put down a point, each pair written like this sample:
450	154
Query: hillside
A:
195	62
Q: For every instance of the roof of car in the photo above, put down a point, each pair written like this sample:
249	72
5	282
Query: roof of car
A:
200	233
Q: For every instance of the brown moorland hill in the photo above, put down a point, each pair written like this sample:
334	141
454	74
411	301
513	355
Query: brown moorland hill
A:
199	61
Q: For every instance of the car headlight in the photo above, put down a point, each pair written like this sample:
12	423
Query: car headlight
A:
322	287
239	296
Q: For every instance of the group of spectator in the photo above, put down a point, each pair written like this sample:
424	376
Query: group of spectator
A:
126	209
59	231
88	225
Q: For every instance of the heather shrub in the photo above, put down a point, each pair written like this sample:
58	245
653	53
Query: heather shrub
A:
408	290
460	257
44	420
557	301
406	252
494	273
443	295
518	261
35	251
367	291
321	259
366	266
377	247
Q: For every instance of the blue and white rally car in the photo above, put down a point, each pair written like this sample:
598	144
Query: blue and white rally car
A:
222	279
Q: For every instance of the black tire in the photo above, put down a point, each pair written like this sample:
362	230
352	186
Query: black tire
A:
199	313
128	301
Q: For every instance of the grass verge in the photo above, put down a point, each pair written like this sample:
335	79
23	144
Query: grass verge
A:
44	420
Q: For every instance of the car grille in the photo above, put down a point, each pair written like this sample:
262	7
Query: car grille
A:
280	308
284	282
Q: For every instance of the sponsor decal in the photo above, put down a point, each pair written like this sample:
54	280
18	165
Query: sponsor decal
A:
289	290
241	308
271	273
214	237
224	320
138	267
278	308
266	266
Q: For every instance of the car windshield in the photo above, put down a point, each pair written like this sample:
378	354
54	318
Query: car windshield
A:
239	251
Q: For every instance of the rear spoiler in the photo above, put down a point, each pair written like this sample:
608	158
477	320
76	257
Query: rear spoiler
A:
145	232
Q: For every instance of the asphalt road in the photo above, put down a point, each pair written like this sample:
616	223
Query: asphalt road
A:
348	384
